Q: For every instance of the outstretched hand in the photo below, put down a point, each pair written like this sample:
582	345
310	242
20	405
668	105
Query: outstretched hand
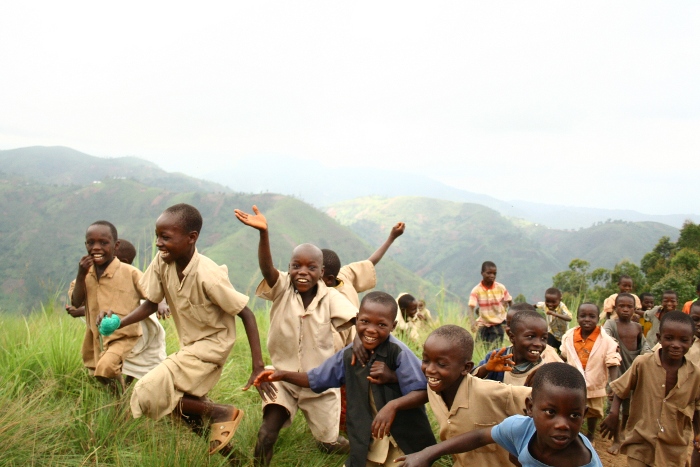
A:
417	459
499	362
257	220
608	429
397	230
261	379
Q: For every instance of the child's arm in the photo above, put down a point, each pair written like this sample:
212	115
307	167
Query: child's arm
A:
380	373
75	312
291	377
78	297
561	316
266	390
496	363
385	417
258	221
608	428
461	443
396	232
142	312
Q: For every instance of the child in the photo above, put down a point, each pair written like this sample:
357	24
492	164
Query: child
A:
557	314
548	436
625	284
689	303
492	299
103	282
204	305
388	419
550	353
669	302
647	300
462	402
631	344
304	312
694	353
665	391
590	350
528	334
409	320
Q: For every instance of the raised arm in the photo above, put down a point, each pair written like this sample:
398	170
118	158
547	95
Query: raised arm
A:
258	221
267	391
78	297
461	443
396	232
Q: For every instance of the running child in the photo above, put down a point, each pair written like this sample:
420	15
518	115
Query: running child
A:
591	351
204	305
557	314
386	397
304	312
548	436
625	284
492	300
665	391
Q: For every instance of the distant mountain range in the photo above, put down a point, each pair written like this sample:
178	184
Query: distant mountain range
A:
48	196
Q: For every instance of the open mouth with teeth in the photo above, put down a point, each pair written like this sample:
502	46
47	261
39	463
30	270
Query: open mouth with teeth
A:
434	382
369	340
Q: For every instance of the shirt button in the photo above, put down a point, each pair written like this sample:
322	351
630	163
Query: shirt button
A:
449	421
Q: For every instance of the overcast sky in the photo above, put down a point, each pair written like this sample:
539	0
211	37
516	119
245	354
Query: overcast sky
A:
587	103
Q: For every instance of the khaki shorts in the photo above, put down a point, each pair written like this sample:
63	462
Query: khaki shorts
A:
109	362
596	407
322	411
159	392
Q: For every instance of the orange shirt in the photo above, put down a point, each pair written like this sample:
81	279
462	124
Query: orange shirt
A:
584	347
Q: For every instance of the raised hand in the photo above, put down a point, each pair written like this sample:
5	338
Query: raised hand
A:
84	264
499	362
257	220
397	230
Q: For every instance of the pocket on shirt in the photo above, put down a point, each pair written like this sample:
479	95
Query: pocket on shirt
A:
324	335
199	312
489	447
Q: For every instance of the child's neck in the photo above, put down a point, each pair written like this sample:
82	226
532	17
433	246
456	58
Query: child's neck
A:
449	394
585	334
670	364
181	263
99	270
576	453
308	296
625	320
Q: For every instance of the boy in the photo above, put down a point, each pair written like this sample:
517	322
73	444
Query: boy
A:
669	302
689	303
557	314
512	365
548	436
590	350
103	282
625	284
389	418
665	391
631	344
304	312
204	305
550	353
492	299
462	402
647	300
409	320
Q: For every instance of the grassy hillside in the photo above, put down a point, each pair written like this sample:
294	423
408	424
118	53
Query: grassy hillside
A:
43	228
446	242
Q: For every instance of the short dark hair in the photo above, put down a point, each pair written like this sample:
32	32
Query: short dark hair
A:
112	228
459	338
558	374
625	276
645	295
522	316
126	252
382	298
331	262
694	305
671	292
677	317
487	264
518	307
405	300
626	295
190	218
553	291
590	303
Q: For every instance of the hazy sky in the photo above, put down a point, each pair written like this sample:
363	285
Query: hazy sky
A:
587	103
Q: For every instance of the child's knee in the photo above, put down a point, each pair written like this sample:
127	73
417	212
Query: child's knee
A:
267	436
109	365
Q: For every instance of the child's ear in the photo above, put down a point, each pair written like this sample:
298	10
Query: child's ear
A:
528	406
116	244
511	336
193	236
393	326
468	367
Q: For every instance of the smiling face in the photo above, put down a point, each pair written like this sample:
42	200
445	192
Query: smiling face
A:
100	244
529	340
647	303
552	301
374	323
558	413
306	267
173	243
489	275
624	307
587	317
675	339
669	302
443	365
625	285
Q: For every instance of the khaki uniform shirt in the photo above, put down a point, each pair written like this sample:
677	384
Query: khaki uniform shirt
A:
353	279
203	305
660	426
609	304
301	339
478	404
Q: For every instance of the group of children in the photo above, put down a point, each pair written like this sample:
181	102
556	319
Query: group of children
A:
521	403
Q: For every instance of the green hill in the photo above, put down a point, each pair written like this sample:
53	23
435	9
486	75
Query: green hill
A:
446	242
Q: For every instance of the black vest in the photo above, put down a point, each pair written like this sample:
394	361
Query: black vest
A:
411	428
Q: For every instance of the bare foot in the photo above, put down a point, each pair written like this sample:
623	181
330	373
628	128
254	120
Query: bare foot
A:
614	449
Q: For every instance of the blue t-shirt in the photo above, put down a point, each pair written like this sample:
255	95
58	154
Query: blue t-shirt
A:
514	434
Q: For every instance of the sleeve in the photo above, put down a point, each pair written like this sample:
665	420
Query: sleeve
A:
519	395
474	298
608	328
136	277
408	372
563	347
626	383
330	374
612	356
637	302
565	310
151	282
273	293
509	433
506	295
362	275
342	311
608	305
225	296
71	288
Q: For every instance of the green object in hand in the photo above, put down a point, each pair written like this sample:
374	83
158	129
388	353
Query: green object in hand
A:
109	324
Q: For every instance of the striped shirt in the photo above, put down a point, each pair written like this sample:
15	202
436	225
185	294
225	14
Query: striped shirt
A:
491	302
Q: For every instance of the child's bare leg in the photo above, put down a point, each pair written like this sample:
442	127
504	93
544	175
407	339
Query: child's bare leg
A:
625	417
115	385
274	417
592	423
202	407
